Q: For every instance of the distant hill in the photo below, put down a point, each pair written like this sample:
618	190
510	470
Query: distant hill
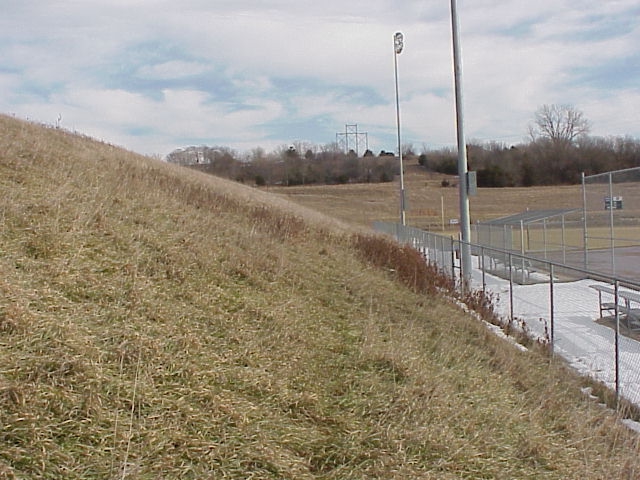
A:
157	322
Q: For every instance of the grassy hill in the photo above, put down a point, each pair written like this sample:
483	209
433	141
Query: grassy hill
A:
160	323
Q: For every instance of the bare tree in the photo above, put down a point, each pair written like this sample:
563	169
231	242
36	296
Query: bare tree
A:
562	124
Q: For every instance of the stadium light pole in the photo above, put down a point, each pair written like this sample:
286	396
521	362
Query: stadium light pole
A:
398	45
465	227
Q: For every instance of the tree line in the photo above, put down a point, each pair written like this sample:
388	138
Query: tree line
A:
298	164
538	162
558	150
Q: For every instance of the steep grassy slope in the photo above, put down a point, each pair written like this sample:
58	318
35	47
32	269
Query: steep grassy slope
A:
158	323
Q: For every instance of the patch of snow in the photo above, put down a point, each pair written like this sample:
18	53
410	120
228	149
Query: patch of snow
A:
635	426
585	344
500	333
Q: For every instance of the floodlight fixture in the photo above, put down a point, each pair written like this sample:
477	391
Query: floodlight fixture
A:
398	42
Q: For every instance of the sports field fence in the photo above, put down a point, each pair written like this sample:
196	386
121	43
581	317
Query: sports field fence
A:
556	302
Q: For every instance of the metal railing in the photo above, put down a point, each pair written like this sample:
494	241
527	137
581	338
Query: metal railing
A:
550	301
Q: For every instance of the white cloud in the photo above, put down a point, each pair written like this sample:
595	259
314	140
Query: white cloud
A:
172	70
153	75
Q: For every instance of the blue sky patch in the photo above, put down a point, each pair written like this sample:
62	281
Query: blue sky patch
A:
616	74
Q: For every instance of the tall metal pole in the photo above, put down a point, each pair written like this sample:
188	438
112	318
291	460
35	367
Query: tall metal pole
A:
465	227
398	45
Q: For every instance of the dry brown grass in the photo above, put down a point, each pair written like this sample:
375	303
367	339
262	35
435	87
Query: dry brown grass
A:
158	323
362	204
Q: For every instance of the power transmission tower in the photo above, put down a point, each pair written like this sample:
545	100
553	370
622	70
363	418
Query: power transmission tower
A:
351	139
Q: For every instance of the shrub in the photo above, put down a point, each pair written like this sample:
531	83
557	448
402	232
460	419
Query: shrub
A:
405	262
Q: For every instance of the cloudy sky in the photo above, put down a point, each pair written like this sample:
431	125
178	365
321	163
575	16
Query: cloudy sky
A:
156	75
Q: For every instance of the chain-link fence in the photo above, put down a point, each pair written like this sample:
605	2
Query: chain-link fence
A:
591	319
611	205
555	235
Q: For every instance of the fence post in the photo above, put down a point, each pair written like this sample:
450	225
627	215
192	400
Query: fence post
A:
443	260
552	318
611	231
434	249
510	285
484	282
584	224
453	261
617	343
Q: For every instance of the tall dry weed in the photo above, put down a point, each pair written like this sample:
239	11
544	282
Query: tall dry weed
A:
404	262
